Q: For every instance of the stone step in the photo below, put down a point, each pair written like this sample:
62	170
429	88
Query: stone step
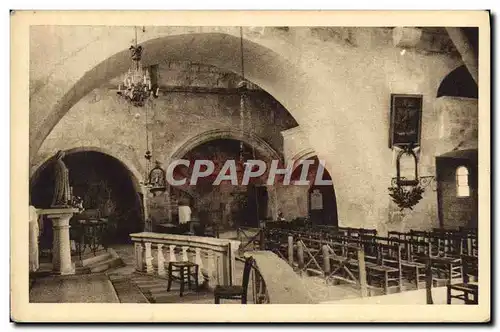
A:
105	265
127	291
149	283
158	289
94	260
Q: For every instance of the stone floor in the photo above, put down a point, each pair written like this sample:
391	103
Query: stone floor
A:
91	288
408	297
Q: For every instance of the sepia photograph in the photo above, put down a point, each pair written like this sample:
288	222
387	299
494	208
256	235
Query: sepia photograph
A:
197	169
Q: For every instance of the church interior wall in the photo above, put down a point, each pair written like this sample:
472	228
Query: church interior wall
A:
339	96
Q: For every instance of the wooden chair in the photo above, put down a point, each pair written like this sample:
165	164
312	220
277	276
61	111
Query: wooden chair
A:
185	275
466	287
386	270
277	242
412	270
235	292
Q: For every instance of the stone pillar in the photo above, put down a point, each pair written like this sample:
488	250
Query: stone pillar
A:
145	198
33	239
61	248
465	49
168	206
272	204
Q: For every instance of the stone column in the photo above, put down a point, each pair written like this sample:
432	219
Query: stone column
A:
465	49
145	193
272	204
33	239
168	206
61	248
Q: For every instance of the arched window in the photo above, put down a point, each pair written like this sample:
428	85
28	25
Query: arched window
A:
463	189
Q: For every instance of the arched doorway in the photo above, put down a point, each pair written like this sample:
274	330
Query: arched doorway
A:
227	204
107	187
257	206
321	199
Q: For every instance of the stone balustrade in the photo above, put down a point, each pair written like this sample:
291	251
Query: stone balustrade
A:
215	257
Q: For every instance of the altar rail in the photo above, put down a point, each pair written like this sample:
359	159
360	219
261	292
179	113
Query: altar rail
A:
215	257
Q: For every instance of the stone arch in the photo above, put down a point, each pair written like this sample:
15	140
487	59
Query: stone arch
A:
251	139
135	175
263	67
302	155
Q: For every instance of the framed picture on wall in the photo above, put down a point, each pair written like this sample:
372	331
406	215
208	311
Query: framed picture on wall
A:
406	120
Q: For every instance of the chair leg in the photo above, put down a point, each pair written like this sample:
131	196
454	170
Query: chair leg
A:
182	280
416	276
217	299
189	276
386	283
448	294
169	277
196	277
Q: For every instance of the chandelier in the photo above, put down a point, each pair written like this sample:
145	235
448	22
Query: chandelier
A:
137	85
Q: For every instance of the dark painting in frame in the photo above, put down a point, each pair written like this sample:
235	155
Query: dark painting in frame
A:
406	120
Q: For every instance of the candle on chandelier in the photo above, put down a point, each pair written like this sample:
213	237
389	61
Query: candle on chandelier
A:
157	91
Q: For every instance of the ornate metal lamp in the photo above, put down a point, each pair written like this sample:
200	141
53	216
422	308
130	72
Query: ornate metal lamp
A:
157	179
137	81
406	193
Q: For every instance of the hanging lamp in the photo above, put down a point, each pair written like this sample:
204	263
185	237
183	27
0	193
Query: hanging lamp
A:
137	85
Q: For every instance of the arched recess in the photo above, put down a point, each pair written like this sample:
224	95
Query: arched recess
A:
458	83
226	204
260	145
135	175
105	183
321	198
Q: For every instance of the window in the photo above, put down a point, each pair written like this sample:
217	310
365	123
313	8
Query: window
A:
463	189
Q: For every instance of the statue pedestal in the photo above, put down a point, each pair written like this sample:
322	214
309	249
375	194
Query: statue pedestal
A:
61	247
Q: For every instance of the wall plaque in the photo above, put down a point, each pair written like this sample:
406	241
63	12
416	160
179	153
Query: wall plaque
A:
316	200
406	120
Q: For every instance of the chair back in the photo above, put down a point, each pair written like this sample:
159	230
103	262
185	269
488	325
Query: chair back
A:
246	273
469	268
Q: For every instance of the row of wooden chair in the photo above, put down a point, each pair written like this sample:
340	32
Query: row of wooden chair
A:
388	260
444	242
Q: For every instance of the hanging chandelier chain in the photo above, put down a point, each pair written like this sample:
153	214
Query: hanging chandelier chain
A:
135	28
246	115
242	55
